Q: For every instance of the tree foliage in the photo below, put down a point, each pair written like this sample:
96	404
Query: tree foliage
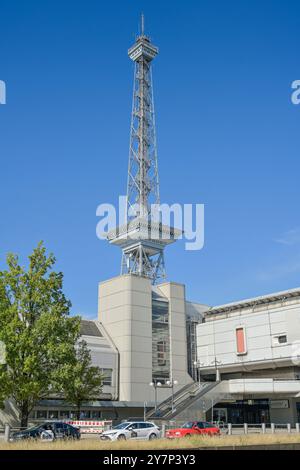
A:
35	326
80	380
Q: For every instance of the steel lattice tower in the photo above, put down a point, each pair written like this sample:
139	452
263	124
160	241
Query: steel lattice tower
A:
143	239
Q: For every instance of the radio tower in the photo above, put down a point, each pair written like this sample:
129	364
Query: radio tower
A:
142	238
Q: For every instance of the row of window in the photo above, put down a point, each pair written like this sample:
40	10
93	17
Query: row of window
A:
67	414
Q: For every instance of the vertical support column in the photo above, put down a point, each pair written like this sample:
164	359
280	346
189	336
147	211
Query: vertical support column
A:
7	433
246	428
272	428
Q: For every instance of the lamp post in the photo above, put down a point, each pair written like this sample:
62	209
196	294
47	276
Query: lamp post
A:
155	384
216	363
171	384
198	366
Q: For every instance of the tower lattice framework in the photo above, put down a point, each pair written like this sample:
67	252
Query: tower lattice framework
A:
143	239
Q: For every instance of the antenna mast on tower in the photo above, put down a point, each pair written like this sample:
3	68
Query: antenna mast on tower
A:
143	239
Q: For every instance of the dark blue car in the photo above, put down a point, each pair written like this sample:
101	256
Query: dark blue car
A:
59	429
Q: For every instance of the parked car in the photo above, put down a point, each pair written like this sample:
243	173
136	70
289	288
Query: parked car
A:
192	428
59	429
131	430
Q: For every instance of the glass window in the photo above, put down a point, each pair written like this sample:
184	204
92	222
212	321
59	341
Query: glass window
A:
65	414
121	426
200	425
53	414
188	425
282	339
95	414
41	414
84	414
135	425
107	380
160	341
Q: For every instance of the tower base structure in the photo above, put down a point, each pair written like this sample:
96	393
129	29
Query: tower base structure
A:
148	327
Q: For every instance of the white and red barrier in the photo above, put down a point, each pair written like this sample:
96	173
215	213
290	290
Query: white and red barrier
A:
90	427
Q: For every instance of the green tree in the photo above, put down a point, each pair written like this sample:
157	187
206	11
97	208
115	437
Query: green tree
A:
80	381
35	326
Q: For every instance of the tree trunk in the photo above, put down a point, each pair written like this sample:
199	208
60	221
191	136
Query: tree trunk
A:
78	410
24	414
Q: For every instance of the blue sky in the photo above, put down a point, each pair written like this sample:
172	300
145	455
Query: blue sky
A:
228	136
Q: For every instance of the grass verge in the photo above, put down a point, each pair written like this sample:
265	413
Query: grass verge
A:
160	444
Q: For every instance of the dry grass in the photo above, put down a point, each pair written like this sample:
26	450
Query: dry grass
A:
193	442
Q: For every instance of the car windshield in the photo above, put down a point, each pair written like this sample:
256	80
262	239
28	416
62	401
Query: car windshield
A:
121	426
34	428
188	425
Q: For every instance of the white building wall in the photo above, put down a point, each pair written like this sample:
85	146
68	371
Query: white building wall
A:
262	325
105	356
125	310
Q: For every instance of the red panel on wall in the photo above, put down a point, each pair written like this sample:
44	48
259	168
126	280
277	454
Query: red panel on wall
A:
240	341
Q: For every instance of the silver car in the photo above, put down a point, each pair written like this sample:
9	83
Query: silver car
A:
139	430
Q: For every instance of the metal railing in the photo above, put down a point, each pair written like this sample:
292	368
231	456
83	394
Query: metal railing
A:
172	406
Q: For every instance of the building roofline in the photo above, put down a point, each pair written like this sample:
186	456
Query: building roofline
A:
262	300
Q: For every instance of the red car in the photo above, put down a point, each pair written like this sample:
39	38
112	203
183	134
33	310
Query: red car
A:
193	428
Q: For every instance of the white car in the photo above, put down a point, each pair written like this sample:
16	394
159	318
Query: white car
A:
142	430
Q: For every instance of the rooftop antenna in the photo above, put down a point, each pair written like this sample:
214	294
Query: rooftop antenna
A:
142	24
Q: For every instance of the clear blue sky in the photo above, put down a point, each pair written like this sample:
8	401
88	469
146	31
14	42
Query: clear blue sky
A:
228	136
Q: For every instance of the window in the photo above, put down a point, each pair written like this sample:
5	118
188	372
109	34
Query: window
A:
282	339
53	414
65	414
85	414
188	425
160	340
41	414
240	341
95	414
200	425
107	380
161	353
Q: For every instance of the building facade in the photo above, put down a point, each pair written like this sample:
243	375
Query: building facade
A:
255	346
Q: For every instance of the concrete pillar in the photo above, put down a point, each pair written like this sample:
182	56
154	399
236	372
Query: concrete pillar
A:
289	427
7	433
246	428
229	429
297	427
163	431
272	428
263	428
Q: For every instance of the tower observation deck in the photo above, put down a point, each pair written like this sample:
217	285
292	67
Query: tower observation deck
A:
143	238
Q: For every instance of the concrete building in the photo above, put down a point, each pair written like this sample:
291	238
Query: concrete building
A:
255	345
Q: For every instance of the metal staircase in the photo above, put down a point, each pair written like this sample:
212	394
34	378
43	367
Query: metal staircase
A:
183	399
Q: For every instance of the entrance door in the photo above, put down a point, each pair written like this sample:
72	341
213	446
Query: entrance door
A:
220	415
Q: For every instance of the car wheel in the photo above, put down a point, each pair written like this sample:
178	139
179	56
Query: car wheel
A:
121	437
152	437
